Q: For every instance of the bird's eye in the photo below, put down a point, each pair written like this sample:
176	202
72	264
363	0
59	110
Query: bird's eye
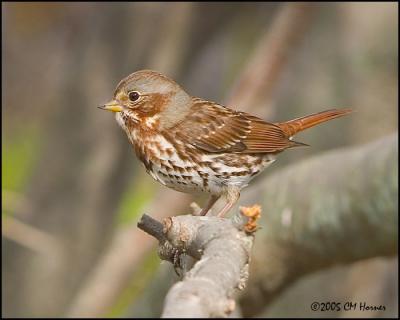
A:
133	95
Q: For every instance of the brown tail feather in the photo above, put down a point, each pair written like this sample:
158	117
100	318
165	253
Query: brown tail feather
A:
290	128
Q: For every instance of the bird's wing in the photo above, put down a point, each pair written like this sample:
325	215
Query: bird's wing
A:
217	129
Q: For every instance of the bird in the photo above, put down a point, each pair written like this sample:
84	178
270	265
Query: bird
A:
197	146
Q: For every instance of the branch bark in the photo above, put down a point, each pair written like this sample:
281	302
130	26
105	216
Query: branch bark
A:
336	208
222	248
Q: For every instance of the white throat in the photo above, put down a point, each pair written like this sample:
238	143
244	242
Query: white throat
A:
120	120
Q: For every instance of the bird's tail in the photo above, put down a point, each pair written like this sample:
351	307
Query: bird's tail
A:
290	128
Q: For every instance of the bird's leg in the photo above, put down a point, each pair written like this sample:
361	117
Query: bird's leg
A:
213	199
232	196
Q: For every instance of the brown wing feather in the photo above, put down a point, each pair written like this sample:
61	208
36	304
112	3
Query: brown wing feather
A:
217	129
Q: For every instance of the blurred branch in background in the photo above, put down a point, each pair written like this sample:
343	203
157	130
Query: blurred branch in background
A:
127	250
255	87
30	237
104	285
15	203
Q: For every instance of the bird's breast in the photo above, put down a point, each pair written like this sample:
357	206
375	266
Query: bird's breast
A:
180	166
167	162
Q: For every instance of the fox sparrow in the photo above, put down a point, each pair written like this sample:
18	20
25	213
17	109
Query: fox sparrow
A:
193	145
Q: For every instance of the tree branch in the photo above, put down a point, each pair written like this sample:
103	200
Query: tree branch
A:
152	227
222	250
339	207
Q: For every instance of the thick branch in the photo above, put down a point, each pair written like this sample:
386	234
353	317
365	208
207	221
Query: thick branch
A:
339	207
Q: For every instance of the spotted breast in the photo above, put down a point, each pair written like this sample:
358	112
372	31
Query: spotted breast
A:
170	162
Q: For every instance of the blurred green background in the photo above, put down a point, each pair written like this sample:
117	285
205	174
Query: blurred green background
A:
72	189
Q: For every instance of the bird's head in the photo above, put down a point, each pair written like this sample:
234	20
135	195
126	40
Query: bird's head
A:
149	99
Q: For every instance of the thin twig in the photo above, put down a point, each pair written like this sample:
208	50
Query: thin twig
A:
152	227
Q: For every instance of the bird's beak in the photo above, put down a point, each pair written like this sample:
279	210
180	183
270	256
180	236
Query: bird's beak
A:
113	106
